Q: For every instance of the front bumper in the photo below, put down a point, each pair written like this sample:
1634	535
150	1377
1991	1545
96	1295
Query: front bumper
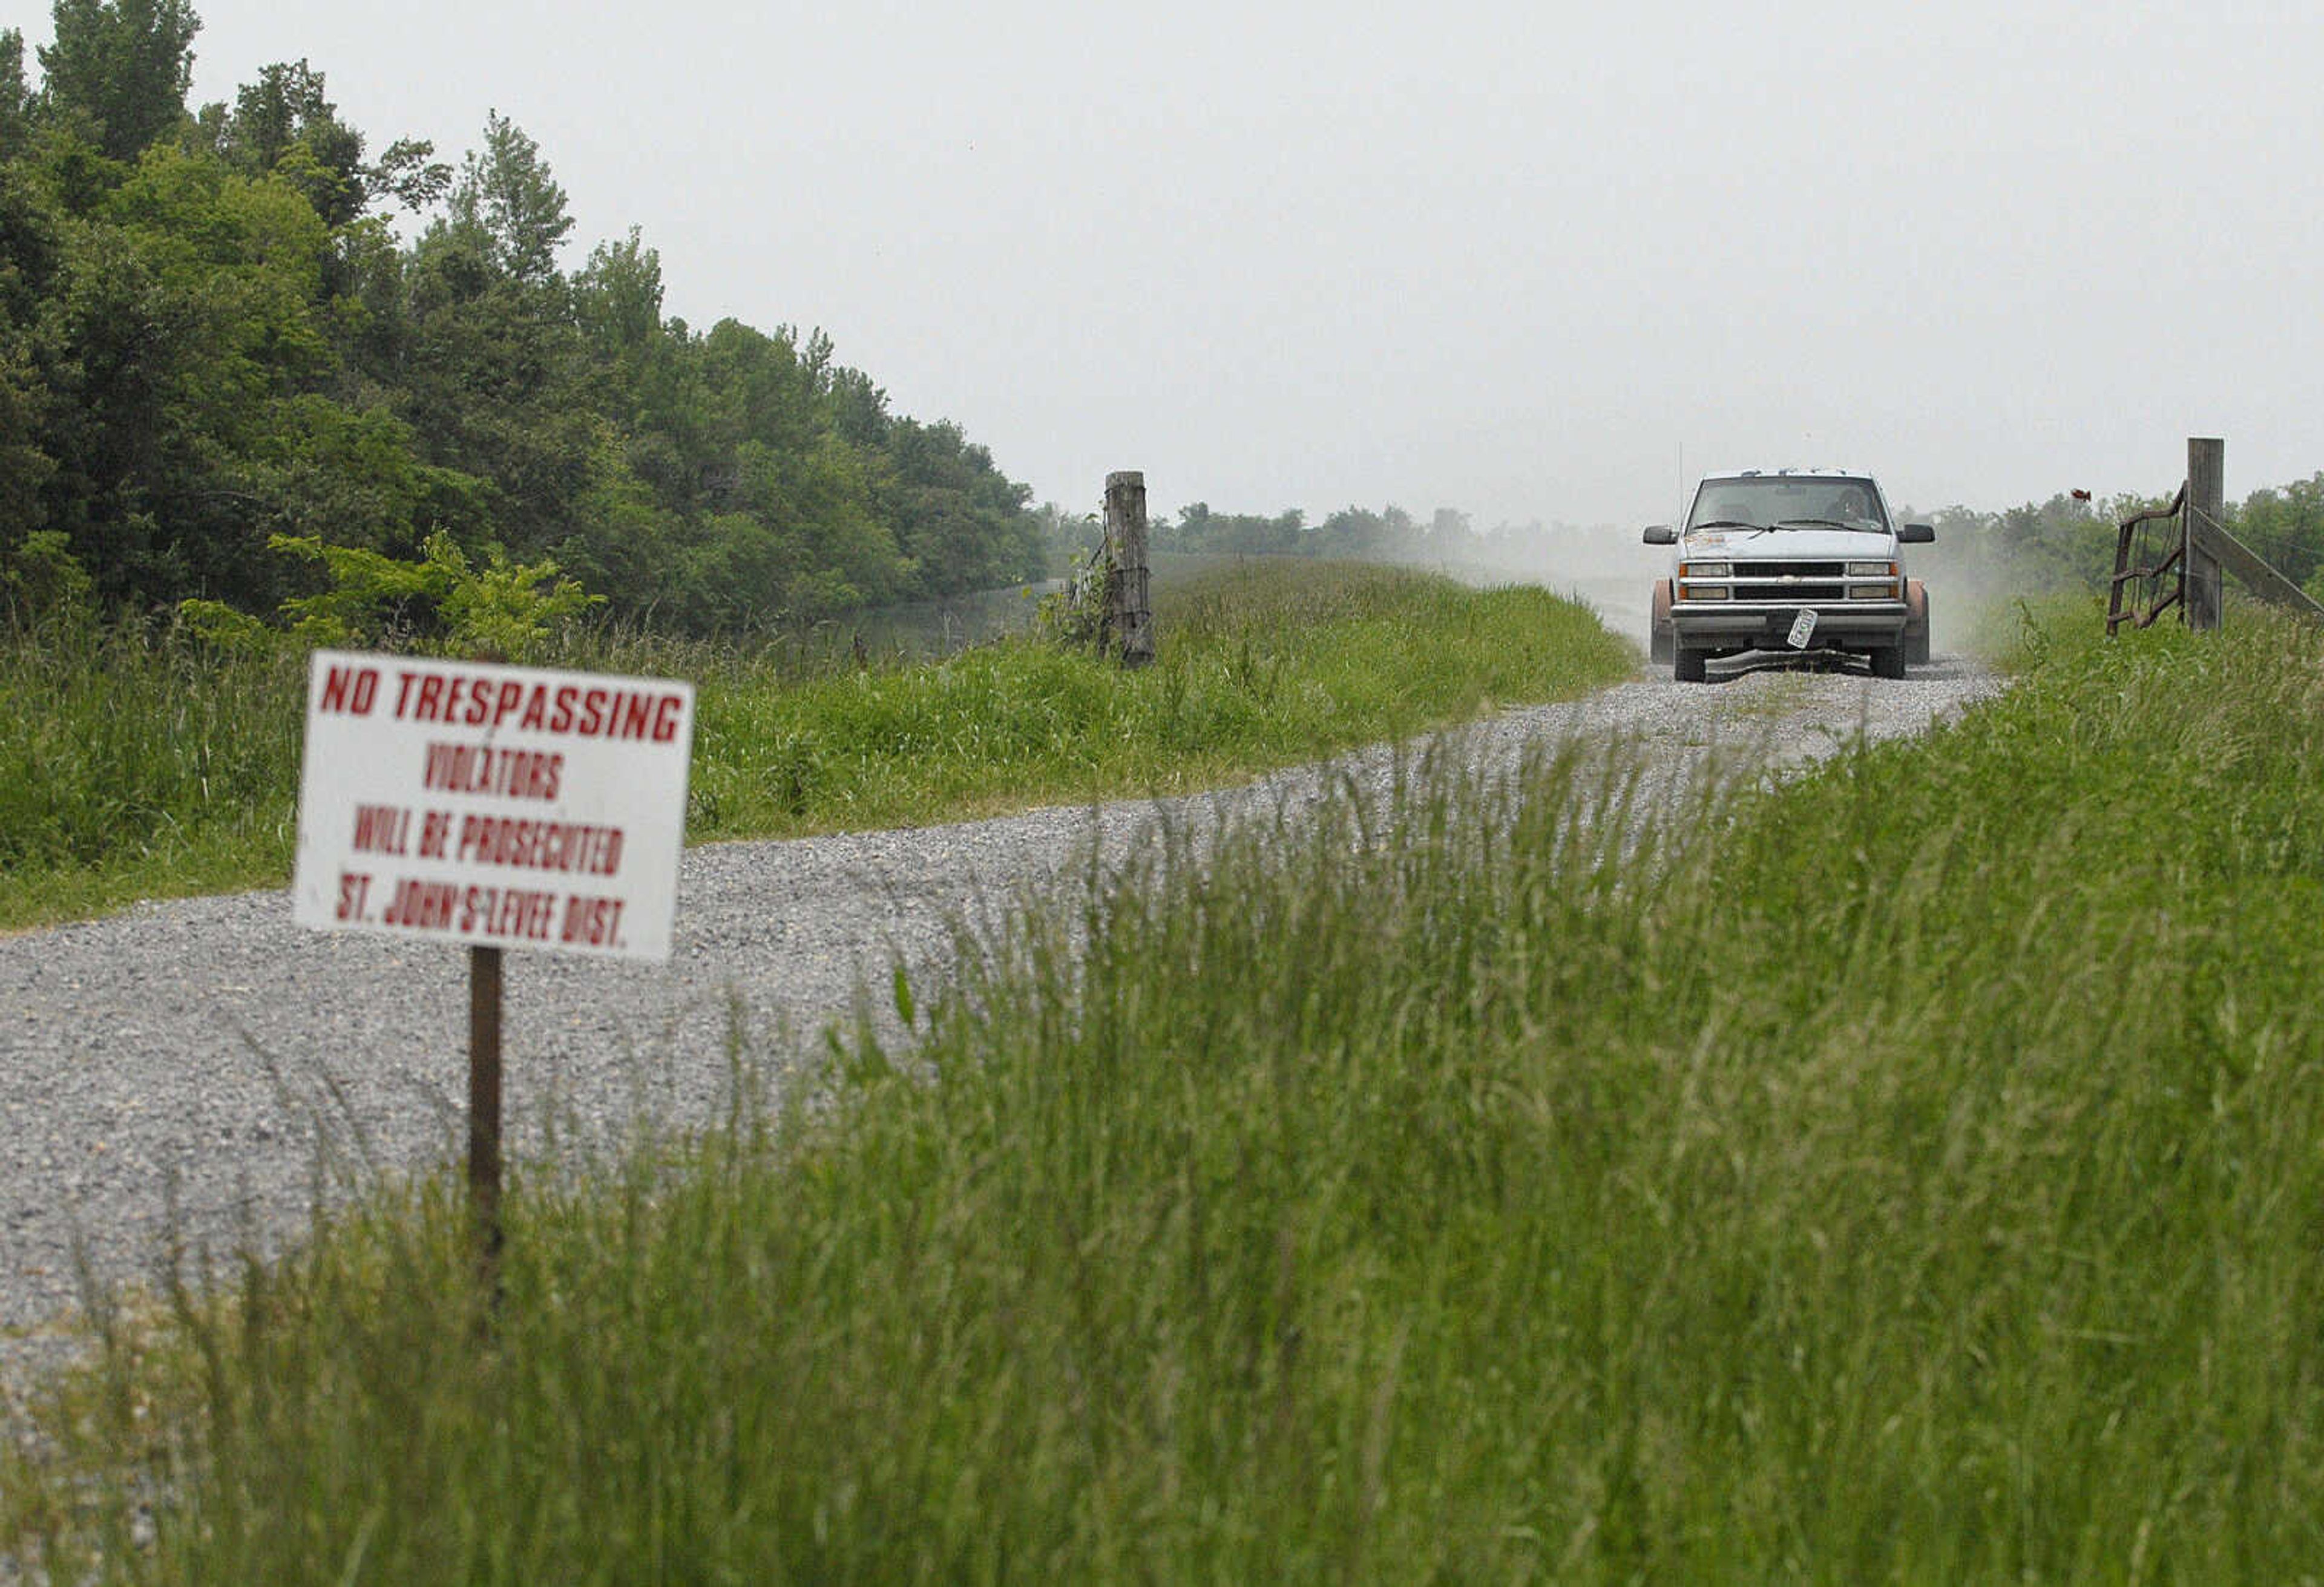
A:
1840	625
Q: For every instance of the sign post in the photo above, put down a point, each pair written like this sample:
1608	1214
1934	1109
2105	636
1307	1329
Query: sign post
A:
484	1111
499	807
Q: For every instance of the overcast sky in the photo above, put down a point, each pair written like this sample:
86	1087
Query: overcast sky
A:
1525	261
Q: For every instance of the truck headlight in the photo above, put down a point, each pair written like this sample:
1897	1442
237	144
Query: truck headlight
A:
1885	571
1689	572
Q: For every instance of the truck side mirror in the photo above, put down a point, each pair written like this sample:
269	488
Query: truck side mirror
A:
1661	534
1916	535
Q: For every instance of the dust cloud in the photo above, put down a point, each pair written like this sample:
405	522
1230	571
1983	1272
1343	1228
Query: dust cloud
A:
1607	568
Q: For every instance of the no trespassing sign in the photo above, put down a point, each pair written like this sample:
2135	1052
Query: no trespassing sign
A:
508	807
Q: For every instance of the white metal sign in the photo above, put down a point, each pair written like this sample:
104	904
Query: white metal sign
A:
511	807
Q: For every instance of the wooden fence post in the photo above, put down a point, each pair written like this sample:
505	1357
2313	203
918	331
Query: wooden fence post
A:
2206	506
1129	607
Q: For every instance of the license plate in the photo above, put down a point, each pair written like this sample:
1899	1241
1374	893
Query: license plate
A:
1803	629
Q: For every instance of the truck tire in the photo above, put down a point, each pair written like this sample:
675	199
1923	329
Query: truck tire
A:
1658	626
1888	661
1687	665
1918	628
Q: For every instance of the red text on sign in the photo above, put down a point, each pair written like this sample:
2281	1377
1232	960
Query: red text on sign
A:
521	912
380	829
593	922
477	701
478	769
547	846
351	690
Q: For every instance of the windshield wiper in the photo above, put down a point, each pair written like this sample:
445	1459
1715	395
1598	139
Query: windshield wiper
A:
1829	523
1722	523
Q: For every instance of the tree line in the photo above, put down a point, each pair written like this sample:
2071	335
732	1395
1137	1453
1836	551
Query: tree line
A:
2065	543
1351	534
219	357
2068	541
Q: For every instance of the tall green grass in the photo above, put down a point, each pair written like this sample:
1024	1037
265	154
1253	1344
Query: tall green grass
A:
1910	1173
1261	664
135	765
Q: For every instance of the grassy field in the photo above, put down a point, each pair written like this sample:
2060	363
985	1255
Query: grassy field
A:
138	766
1910	1173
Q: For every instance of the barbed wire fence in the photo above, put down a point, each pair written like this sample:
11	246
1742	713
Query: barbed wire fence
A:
2174	559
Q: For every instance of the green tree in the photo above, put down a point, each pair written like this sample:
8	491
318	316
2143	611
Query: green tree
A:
617	306
857	409
121	67
1201	528
505	191
617	298
494	381
29	249
736	575
2285	525
756	387
285	124
441	599
407	173
187	371
214	344
15	99
1360	532
961	521
620	541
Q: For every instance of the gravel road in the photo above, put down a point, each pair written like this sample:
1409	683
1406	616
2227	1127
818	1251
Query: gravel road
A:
211	1049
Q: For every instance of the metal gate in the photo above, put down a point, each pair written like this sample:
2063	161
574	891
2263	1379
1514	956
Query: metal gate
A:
2150	566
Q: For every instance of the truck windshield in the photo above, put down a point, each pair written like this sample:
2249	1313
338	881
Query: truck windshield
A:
1783	499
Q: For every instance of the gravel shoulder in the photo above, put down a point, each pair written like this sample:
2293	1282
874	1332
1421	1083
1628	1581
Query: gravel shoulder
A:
209	1052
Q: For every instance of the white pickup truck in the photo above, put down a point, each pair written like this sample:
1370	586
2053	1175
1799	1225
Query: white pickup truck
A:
1789	560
